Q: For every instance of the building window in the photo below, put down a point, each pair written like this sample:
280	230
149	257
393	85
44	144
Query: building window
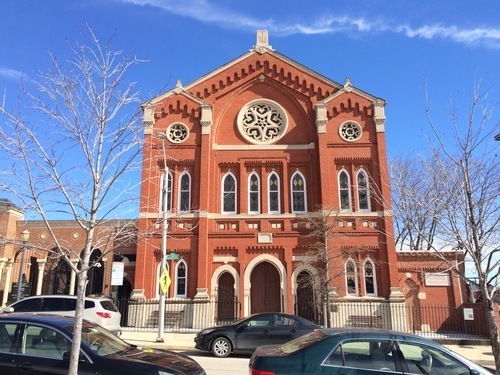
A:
369	277
351	278
181	279
298	193
350	131
168	187
262	121
177	133
344	191
253	194
274	193
363	191
185	192
229	194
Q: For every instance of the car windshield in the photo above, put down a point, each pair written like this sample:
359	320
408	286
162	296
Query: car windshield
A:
102	342
302	342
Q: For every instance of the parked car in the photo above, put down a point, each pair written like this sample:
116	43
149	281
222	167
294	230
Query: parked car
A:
41	344
358	351
100	310
246	334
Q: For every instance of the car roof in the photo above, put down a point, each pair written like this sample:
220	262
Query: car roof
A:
56	320
370	332
89	297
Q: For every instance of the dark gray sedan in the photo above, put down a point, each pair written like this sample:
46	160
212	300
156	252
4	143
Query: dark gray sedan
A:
246	334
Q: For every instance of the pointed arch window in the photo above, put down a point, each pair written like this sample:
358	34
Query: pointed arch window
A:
185	192
253	193
274	193
351	278
299	204
344	191
370	278
229	194
181	279
168	186
363	191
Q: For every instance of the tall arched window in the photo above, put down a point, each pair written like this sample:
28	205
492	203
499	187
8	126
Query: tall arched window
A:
344	191
298	188
228	194
181	279
274	206
351	278
363	191
253	193
185	192
168	188
370	278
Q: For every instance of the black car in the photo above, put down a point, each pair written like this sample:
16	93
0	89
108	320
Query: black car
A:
41	344
360	352
246	334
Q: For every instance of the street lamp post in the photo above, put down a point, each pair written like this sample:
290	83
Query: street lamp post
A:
25	235
164	226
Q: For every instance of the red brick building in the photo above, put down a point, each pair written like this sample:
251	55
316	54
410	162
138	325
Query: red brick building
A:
252	151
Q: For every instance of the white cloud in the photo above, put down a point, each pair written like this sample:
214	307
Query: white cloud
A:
10	74
204	11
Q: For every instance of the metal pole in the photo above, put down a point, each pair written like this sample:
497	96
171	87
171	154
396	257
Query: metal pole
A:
164	228
24	237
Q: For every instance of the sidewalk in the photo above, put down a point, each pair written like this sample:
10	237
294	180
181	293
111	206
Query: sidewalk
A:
480	354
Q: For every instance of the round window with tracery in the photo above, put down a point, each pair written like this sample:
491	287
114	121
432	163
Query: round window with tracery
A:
262	121
350	131
177	133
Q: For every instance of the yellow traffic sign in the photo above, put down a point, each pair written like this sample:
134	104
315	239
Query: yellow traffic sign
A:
165	281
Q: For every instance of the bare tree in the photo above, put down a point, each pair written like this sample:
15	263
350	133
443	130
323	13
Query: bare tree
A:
459	197
74	157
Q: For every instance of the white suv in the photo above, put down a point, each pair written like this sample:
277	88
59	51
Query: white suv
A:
100	310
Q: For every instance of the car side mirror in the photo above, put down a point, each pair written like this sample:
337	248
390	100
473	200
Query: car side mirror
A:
9	309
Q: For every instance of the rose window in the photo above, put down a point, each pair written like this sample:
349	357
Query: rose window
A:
177	133
262	121
350	131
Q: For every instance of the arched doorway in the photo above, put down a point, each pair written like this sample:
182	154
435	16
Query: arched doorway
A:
61	277
305	306
265	293
95	274
226	302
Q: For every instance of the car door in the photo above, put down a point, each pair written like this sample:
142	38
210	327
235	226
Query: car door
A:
7	343
40	350
254	332
285	328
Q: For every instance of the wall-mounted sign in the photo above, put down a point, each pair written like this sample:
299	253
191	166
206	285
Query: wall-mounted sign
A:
117	273
437	279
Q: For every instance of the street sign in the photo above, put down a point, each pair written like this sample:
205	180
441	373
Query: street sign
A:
173	256
165	281
117	273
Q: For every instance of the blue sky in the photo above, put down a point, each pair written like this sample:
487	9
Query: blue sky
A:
393	49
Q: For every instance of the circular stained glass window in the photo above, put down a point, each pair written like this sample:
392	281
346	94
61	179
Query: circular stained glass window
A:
350	131
177	133
262	121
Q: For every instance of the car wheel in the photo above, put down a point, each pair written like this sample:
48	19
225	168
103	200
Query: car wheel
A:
221	347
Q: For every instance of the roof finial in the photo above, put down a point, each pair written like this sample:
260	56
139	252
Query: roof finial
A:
262	41
347	82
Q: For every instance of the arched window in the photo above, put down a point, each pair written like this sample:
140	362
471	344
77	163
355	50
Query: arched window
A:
253	193
274	206
344	191
185	192
158	274
168	191
228	194
351	278
298	188
369	277
181	279
363	191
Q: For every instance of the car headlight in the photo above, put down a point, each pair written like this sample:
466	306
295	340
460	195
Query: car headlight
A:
206	331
